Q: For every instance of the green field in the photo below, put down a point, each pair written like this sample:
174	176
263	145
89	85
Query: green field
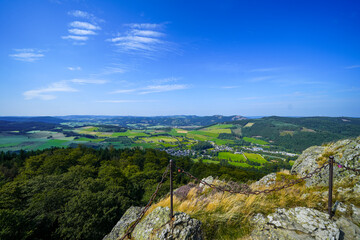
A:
204	133
85	139
218	126
159	139
54	143
238	164
255	157
255	140
130	133
231	156
178	132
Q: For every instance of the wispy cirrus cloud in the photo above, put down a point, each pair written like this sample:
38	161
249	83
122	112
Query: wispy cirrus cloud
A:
79	31
272	69
27	54
262	78
153	89
74	68
89	81
144	38
166	80
84	25
76	38
85	15
353	67
48	92
163	88
126	90
114	69
144	25
125	101
229	87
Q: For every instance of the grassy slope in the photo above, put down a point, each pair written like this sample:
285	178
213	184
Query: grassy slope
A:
227	216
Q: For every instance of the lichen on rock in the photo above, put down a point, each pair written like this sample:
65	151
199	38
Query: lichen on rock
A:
295	223
157	226
121	226
346	153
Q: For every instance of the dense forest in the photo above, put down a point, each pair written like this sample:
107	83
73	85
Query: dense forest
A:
80	193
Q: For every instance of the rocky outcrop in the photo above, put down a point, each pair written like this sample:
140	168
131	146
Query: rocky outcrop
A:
303	223
348	230
157	225
121	226
346	152
267	180
209	180
348	210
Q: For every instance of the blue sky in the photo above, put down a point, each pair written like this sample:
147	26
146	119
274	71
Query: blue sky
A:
147	58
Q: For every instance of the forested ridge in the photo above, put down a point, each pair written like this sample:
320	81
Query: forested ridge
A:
297	134
80	193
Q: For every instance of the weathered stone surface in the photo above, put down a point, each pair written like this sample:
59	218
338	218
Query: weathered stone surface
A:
209	180
295	223
357	188
154	221
182	228
350	211
346	152
355	216
157	226
348	230
121	226
267	180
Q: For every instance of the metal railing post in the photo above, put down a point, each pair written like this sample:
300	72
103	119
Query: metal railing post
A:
171	191
331	171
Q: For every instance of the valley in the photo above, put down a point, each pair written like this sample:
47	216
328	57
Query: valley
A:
234	140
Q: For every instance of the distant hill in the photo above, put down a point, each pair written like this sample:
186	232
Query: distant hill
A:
34	119
186	120
26	126
299	133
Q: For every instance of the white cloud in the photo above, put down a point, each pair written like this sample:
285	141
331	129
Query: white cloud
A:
266	69
144	25
112	70
136	39
77	31
125	91
43	93
80	30
352	67
166	80
62	86
259	79
89	81
86	15
78	13
147	33
76	38
74	68
163	88
142	39
123	101
27	55
153	89
84	25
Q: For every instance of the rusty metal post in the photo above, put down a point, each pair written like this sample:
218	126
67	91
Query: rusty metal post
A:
331	171
171	191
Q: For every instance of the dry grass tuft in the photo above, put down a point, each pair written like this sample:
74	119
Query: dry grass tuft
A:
227	216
